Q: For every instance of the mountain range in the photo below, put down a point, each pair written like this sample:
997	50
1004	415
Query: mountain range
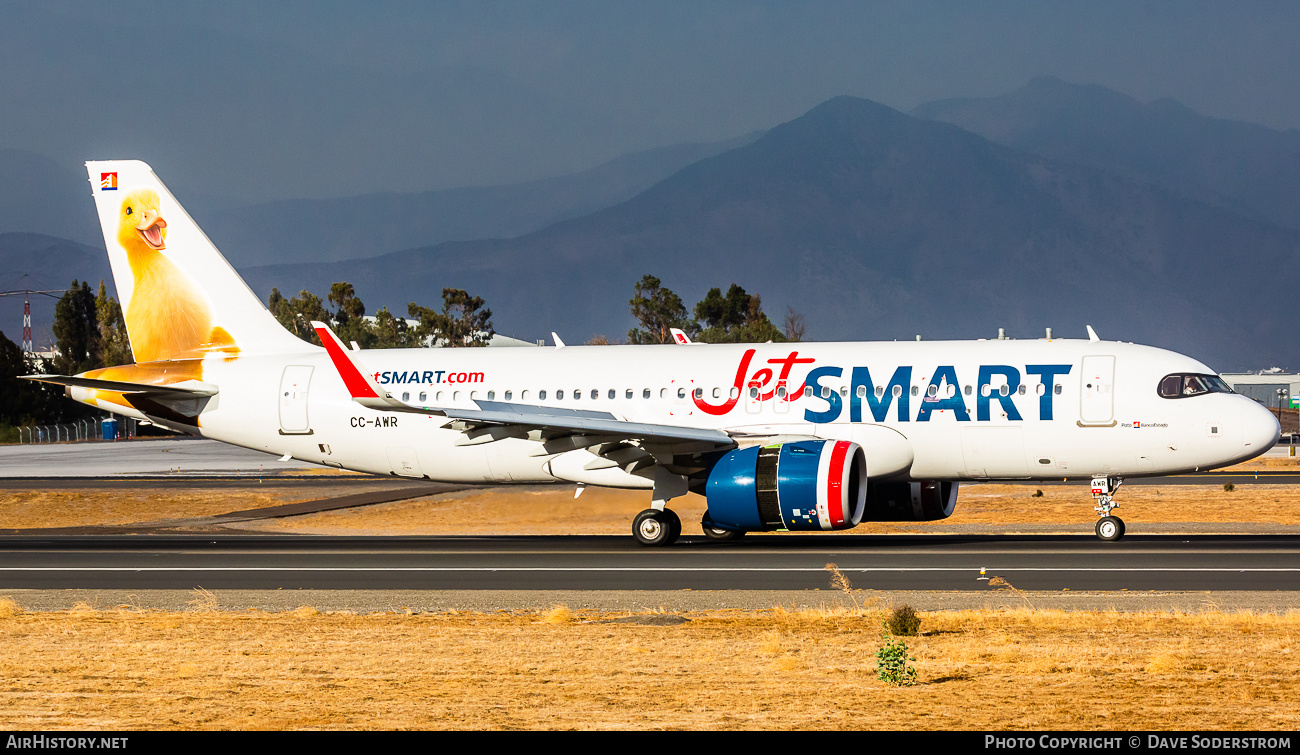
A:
1055	206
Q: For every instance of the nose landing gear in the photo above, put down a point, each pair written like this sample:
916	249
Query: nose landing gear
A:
1108	527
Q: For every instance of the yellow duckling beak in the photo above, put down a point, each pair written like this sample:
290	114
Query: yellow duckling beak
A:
150	228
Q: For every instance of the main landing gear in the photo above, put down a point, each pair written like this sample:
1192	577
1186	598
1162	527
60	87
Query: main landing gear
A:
1109	527
656	527
663	527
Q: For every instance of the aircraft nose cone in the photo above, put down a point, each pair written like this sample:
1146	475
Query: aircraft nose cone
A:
1260	430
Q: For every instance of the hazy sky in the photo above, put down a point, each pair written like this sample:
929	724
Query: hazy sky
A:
327	98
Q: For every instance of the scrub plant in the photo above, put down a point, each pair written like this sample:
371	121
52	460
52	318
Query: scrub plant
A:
903	621
891	661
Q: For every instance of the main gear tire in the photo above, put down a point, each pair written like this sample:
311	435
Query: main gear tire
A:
656	528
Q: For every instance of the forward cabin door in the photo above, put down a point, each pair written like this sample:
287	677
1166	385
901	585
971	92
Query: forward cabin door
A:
293	400
1097	391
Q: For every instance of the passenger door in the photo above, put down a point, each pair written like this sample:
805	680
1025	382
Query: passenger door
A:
293	400
1097	391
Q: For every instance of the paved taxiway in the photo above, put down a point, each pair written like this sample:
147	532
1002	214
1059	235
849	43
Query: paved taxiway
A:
897	562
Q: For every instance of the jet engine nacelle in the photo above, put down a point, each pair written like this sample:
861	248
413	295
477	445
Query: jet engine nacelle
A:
923	501
802	485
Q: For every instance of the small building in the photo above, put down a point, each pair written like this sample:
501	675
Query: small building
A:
1274	389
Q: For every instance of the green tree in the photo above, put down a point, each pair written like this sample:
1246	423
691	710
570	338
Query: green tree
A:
735	318
463	321
658	310
24	401
349	321
115	343
296	314
76	331
796	329
391	332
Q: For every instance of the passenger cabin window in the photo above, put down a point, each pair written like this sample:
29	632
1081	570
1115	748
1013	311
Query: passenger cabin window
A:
1187	385
628	394
541	395
508	395
645	393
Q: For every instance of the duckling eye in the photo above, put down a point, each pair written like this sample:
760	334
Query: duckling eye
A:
129	211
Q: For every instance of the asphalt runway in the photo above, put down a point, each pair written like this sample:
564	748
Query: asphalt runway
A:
758	562
103	559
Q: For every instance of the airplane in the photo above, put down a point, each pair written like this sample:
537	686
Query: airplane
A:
776	436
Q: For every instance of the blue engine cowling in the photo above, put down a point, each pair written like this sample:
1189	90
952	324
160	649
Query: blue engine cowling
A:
805	485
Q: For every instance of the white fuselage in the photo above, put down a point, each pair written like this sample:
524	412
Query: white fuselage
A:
920	410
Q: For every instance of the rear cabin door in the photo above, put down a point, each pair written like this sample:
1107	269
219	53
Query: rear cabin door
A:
293	400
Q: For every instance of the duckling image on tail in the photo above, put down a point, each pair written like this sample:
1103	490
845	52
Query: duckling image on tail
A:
168	316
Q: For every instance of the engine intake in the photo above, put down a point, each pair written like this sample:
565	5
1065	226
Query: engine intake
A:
804	485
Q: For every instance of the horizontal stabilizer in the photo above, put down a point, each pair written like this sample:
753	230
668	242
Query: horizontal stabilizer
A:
182	390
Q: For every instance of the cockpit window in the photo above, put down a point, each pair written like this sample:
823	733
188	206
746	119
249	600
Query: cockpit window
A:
1183	386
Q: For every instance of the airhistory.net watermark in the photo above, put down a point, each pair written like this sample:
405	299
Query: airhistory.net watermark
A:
43	742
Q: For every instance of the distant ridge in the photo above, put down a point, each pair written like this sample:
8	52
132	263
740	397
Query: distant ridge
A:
879	225
325	230
1246	167
51	263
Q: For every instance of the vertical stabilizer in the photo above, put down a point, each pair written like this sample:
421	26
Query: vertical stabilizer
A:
180	298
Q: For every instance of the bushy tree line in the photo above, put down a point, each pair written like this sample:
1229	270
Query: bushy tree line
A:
462	321
90	333
736	317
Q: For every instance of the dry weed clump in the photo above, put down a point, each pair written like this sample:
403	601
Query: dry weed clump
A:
9	608
203	601
558	615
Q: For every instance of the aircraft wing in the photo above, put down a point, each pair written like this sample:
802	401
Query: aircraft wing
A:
547	422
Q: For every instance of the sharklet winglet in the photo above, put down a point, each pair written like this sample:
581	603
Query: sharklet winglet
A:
363	389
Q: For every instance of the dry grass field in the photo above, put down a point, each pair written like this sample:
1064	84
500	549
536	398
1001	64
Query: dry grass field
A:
125	668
